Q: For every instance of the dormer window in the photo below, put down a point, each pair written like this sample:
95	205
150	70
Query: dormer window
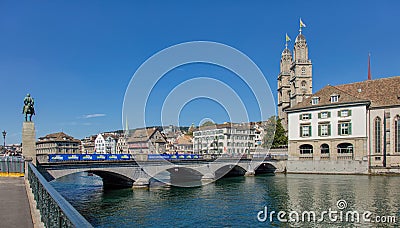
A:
314	100
334	98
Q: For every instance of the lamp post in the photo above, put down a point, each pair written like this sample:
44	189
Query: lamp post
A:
4	138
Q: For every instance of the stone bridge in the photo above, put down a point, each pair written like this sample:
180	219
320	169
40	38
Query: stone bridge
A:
136	174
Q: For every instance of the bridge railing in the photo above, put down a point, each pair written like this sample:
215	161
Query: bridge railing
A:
55	211
11	166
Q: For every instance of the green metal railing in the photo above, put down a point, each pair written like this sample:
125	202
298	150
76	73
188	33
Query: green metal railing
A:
55	211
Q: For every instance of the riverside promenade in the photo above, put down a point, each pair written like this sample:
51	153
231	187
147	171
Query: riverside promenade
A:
14	206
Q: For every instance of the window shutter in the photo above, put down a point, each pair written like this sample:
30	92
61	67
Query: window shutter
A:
329	129
301	132
349	128
349	112
300	117
329	114
339	113
309	116
319	130
309	131
319	115
338	129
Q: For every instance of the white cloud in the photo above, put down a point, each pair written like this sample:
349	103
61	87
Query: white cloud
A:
94	115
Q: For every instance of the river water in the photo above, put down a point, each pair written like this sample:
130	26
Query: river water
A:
241	202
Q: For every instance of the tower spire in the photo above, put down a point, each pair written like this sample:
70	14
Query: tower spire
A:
126	127
369	66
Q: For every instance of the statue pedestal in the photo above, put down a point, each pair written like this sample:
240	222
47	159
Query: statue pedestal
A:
29	142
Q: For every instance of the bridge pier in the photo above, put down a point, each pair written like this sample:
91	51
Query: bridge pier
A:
141	183
207	178
250	173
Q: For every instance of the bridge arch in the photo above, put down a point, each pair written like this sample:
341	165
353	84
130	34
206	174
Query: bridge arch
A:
184	176
112	178
230	170
264	168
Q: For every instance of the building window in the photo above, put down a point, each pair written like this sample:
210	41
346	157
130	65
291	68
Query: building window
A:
397	134
324	149
378	135
324	129
314	100
345	148
344	113
344	128
334	98
303	85
306	149
324	115
306	116
305	130
303	70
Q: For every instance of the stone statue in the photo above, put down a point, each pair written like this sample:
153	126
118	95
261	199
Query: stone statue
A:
28	107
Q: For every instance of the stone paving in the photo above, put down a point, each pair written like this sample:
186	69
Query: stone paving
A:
14	204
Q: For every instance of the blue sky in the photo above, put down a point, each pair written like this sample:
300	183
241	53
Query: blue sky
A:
77	58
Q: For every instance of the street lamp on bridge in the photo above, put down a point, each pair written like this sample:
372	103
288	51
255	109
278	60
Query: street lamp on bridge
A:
4	138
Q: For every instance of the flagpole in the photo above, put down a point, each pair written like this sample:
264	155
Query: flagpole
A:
287	38
300	26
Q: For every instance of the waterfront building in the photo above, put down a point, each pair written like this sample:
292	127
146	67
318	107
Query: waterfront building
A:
295	77
227	138
329	125
88	144
57	143
122	145
171	138
383	120
146	141
355	122
183	144
105	144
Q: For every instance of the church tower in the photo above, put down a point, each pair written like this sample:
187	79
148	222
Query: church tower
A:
295	77
301	81
284	84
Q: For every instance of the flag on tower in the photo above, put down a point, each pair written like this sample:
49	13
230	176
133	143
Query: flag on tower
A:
287	38
302	25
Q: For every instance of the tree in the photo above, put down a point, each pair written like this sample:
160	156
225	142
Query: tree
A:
208	123
274	132
280	137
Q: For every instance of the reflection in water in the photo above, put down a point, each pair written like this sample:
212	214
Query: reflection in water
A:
231	201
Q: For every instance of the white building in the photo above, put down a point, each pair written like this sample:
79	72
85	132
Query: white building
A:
105	144
329	125
122	145
357	122
227	138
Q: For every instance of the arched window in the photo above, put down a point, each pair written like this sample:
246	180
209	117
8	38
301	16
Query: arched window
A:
303	84
306	149
324	149
377	135
397	134
345	148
